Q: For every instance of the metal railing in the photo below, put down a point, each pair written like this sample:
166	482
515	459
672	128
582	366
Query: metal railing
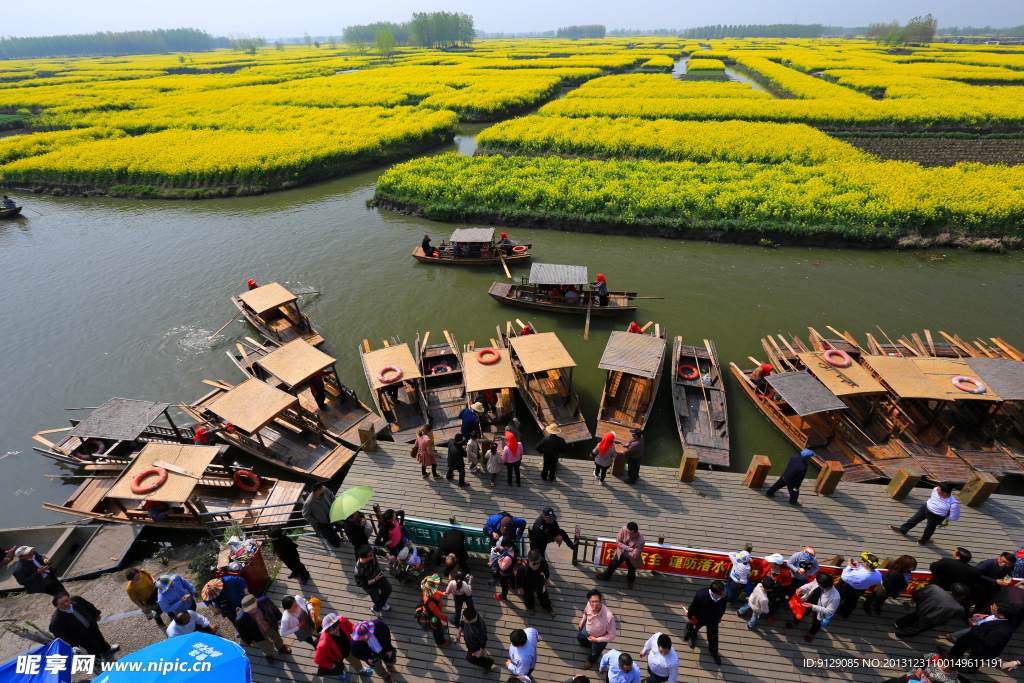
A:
287	517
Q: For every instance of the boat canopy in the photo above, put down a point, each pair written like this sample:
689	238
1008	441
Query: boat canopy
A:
472	235
634	354
1002	375
295	362
497	375
852	381
252	405
396	355
178	487
541	352
804	394
267	297
120	419
942	371
554	274
925	378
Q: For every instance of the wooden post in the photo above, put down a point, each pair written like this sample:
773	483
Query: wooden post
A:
758	471
619	464
828	478
905	480
978	489
368	436
688	466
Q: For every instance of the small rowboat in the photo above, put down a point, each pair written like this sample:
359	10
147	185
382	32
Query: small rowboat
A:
473	247
634	363
698	395
10	213
444	385
274	311
543	291
400	400
490	379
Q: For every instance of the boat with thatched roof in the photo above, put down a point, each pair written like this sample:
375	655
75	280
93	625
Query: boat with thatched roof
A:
634	362
473	247
396	384
560	289
274	311
491	379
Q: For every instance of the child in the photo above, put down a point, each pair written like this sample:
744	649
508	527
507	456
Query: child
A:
473	453
494	462
758	602
460	587
782	577
739	575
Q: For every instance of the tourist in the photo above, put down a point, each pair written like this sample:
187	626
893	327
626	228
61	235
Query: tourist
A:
426	456
428	249
175	594
457	458
512	456
601	289
433	609
596	627
358	530
333	647
296	619
474	630
941	506
706	611
531	580
522	651
937	669
634	452
503	562
493	462
33	572
471	420
225	595
317	512
994	573
504	524
662	660
187	622
986	637
858	576
936	606
759	603
389	534
897	577
572	294
319	390
546	530
258	624
76	622
778	569
618	667
453	542
739	575
603	454
141	589
792	477
371	579
629	544
956	569
550	448
287	550
759	377
371	643
473	453
819	597
804	566
461	587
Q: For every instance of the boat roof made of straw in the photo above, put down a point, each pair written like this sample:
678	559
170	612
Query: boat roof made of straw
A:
1003	375
178	487
541	352
852	381
554	274
472	235
497	375
252	405
267	297
121	419
397	355
295	362
925	378
634	354
804	394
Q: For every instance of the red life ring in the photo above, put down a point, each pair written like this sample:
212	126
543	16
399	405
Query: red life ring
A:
960	381
493	354
440	369
161	477
385	370
254	482
844	358
519	249
693	374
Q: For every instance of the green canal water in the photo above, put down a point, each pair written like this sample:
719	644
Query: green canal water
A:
110	297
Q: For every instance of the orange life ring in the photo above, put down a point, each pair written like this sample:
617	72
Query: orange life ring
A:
440	369
161	477
519	249
693	374
963	384
844	358
241	475
385	370
493	354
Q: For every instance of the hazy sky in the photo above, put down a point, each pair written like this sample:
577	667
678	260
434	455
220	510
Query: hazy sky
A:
324	17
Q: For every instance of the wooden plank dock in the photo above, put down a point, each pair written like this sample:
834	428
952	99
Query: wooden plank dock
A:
715	512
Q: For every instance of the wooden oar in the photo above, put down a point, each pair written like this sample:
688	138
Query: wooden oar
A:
505	266
703	389
894	347
174	468
646	297
586	329
425	338
210	338
451	344
520	323
644	328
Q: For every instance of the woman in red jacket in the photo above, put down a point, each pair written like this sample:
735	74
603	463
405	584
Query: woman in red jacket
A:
334	646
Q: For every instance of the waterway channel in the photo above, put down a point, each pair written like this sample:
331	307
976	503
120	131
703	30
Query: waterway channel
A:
112	297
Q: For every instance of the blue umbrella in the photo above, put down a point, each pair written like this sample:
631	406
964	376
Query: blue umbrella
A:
200	657
36	661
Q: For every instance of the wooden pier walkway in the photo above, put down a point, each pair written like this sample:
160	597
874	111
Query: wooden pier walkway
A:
716	512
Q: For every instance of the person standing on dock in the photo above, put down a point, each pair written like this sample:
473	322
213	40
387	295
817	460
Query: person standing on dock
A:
792	477
286	549
33	571
634	453
600	288
706	611
940	506
856	579
603	454
453	542
317	511
512	456
662	660
371	579
296	619
142	591
225	595
457	458
551	447
426	456
474	630
371	643
619	667
460	586
630	549
333	648
357	530
76	622
531	580
956	569
175	594
471	420
522	651
897	577
546	530
596	627
994	573
187	622
804	567
820	598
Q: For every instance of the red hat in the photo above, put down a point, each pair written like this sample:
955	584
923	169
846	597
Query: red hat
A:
600	278
252	283
766	367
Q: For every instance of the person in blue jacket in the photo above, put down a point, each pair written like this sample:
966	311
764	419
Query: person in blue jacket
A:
496	527
793	476
471	420
175	594
225	595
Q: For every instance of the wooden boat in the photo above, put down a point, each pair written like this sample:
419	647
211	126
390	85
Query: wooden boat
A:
10	213
444	386
75	551
543	370
269	424
496	378
401	401
194	484
113	433
291	367
473	247
702	418
274	311
634	362
539	292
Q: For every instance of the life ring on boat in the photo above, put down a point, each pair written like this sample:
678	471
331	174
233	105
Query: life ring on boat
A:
440	369
844	358
969	384
492	355
692	374
161	477
519	249
385	370
240	477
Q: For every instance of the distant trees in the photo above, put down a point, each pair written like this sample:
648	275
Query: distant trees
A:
428	29
918	30
367	33
108	43
582	31
243	42
384	43
643	32
755	31
1014	31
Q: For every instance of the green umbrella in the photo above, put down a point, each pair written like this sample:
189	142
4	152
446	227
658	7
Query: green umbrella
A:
350	501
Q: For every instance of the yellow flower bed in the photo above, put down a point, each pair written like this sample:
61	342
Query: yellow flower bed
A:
704	64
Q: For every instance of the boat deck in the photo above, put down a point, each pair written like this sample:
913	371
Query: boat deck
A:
105	549
556	404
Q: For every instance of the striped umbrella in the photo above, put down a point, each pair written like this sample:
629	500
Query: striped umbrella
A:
212	589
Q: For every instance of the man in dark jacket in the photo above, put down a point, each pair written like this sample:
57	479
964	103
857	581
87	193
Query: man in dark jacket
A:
551	446
371	643
475	632
317	511
258	624
355	530
986	638
707	610
546	530
286	549
994	575
793	476
531	580
453	542
33	571
76	622
457	458
634	454
956	569
935	607
371	579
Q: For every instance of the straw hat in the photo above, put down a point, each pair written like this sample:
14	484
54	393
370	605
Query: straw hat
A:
249	603
552	429
478	407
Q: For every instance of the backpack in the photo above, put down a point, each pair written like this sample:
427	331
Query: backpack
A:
423	615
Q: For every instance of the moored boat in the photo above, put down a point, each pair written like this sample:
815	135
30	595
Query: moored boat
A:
698	399
444	385
473	247
396	384
274	311
490	381
561	289
10	213
634	362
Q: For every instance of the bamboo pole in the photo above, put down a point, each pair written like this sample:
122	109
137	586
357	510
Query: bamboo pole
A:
586	328
210	338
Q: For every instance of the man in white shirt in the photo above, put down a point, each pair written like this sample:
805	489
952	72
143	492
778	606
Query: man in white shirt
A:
522	652
187	622
662	661
941	506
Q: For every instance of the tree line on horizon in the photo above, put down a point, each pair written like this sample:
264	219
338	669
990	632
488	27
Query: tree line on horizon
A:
110	43
755	31
918	30
426	29
581	31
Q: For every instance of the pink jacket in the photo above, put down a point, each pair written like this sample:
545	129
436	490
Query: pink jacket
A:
508	457
631	547
600	625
